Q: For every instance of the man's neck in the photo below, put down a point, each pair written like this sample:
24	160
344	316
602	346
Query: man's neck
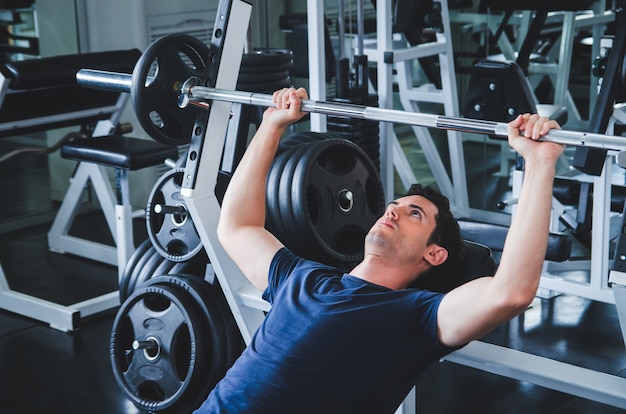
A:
382	272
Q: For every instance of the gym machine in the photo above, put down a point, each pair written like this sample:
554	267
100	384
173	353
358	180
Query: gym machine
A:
183	98
592	16
95	116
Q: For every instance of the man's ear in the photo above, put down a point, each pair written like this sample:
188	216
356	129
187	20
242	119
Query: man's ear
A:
436	255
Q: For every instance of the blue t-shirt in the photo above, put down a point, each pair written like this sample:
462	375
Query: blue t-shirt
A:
331	343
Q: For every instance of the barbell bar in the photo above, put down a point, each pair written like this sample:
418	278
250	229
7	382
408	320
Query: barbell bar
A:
192	92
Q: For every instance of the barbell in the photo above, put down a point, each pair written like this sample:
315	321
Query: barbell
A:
180	85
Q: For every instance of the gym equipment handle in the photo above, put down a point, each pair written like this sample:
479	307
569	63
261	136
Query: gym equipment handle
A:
192	93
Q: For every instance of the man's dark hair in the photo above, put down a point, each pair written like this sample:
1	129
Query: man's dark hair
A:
446	234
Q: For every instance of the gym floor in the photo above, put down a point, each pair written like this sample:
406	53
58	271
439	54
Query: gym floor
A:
45	370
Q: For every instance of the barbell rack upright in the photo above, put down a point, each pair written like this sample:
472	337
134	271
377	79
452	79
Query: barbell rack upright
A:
194	94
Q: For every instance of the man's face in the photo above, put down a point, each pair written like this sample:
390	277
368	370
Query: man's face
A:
403	230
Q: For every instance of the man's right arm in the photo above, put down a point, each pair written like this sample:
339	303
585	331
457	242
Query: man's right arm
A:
241	228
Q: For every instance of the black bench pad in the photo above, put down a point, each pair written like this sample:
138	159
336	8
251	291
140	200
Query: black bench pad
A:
59	71
476	261
493	236
119	151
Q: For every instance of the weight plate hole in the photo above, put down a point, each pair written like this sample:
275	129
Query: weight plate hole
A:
180	218
150	391
156	303
345	200
177	248
153	71
156	119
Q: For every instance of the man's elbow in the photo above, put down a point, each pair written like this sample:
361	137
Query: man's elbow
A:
516	303
223	232
231	237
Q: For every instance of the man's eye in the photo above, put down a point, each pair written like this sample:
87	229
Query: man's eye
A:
416	213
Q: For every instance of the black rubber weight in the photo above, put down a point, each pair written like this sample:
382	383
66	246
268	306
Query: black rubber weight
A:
130	266
183	350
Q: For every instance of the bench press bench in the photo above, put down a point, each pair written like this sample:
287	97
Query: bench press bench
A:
41	95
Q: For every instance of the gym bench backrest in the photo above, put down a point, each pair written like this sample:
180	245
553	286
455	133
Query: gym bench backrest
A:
42	94
499	90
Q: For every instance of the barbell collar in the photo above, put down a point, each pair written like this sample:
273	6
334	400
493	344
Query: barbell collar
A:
198	94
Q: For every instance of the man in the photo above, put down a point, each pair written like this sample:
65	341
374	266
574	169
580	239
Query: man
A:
357	342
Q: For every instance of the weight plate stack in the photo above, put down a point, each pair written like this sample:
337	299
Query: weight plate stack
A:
323	196
265	70
304	137
161	350
172	340
227	340
130	266
148	263
278	200
363	132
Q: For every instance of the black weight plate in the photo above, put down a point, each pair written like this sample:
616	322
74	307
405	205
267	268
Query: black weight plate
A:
130	266
187	268
255	69
174	236
256	78
272	199
164	268
344	123
156	81
200	291
328	171
213	295
196	266
146	271
299	224
266	56
269	87
308	138
357	137
370	100
171	378
302	137
365	100
343	120
235	342
296	241
141	263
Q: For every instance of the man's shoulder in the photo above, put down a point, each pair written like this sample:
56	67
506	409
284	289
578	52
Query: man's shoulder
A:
289	262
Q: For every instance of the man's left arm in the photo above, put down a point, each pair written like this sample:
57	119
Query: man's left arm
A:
475	308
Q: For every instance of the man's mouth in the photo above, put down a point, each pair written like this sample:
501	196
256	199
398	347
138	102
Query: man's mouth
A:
387	223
